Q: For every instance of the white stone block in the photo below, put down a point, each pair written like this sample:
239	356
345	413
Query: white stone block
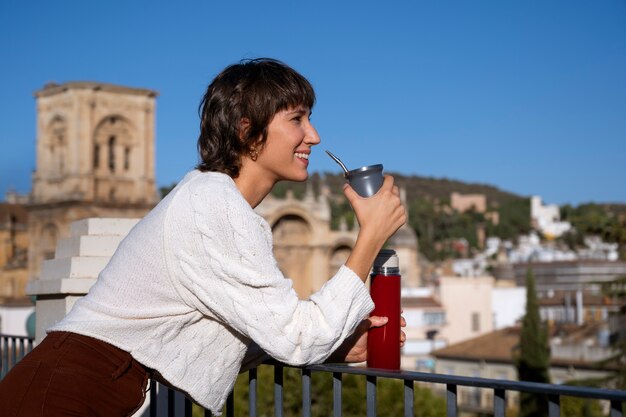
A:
87	246
75	286
73	267
50	311
102	226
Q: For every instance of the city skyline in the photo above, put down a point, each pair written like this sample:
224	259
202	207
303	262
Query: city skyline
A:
528	98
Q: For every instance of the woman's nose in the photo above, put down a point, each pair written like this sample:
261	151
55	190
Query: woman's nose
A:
312	138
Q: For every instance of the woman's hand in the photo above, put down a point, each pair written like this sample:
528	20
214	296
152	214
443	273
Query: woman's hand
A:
379	217
381	214
354	348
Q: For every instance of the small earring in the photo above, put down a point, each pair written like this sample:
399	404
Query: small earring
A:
254	154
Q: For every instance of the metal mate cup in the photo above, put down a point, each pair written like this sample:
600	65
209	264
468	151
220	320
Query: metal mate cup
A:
366	181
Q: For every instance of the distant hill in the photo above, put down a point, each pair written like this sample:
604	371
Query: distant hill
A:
415	186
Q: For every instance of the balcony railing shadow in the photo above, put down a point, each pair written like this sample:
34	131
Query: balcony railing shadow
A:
168	402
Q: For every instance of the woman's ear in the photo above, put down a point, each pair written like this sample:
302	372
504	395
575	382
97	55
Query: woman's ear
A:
244	127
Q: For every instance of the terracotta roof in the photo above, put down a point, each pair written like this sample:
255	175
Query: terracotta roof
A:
420	302
496	346
500	345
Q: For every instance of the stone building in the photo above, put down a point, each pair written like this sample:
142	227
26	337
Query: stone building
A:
13	250
95	158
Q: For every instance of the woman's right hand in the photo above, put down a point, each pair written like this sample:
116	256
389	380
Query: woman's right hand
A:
381	214
379	217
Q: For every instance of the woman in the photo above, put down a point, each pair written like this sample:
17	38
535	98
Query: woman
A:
193	294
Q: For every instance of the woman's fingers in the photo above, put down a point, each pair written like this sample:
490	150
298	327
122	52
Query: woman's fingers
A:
376	321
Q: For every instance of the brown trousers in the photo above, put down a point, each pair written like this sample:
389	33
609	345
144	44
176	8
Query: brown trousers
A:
73	375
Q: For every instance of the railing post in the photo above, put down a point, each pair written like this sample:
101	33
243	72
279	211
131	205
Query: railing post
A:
22	350
187	407
171	405
451	406
306	393
230	404
278	391
13	351
371	396
409	398
153	398
252	382
4	347
554	406
337	394
616	409
499	402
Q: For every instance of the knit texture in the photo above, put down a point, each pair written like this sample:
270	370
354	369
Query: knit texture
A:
194	292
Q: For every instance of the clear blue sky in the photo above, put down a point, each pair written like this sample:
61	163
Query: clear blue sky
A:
529	96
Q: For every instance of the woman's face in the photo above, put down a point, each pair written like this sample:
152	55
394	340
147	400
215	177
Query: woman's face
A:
290	136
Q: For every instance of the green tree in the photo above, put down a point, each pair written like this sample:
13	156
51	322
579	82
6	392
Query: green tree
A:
533	358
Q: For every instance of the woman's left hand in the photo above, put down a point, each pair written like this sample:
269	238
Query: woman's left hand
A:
354	348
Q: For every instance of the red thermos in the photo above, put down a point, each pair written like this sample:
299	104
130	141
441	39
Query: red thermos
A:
383	343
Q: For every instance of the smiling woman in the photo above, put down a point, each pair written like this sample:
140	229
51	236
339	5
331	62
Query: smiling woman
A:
193	295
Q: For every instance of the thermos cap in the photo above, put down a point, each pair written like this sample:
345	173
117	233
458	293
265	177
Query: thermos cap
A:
386	261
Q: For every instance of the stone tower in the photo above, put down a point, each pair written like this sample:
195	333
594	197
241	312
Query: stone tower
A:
95	158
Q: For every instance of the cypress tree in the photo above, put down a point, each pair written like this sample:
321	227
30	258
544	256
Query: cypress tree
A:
533	359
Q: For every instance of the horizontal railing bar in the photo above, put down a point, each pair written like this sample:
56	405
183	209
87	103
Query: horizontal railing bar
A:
534	387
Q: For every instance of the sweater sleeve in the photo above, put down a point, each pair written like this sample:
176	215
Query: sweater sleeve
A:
223	265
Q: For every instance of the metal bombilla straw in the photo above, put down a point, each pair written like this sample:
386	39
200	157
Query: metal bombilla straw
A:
345	170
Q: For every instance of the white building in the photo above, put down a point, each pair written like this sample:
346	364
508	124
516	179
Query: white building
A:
547	218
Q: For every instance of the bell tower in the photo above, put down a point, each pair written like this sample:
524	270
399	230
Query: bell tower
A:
95	158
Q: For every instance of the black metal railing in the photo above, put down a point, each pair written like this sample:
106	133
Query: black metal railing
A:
177	405
12	350
168	402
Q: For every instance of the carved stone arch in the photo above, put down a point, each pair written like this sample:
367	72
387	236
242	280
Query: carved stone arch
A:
291	210
114	141
338	256
118	125
292	229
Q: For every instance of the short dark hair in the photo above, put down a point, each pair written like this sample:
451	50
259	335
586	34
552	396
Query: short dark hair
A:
253	90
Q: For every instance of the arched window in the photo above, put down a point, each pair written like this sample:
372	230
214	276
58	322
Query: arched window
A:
57	132
112	153
96	156
126	158
112	144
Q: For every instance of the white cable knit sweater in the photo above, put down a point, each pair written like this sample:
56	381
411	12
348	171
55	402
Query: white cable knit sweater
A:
195	286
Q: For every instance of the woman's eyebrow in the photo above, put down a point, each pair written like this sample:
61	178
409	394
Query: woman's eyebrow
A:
298	110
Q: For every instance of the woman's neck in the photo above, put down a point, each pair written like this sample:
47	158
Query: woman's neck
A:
253	185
